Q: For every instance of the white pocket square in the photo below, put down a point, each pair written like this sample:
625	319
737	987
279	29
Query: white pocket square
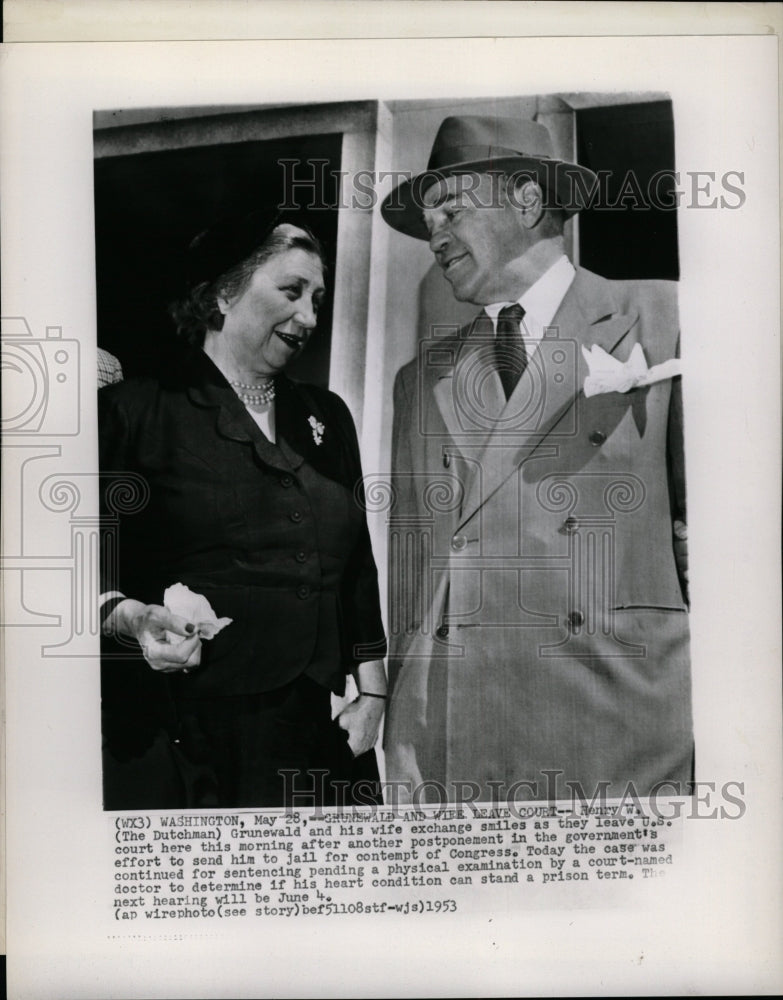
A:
607	374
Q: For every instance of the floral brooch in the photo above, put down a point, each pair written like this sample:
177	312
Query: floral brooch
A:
318	429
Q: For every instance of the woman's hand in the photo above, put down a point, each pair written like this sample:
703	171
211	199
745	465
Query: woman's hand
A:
362	720
681	549
148	625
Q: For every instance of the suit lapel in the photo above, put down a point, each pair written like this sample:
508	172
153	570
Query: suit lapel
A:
549	388
468	391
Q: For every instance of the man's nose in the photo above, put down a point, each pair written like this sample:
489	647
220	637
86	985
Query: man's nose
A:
439	237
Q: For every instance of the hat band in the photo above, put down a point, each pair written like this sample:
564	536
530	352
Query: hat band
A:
452	156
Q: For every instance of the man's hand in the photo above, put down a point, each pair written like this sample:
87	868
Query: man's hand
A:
362	720
148	625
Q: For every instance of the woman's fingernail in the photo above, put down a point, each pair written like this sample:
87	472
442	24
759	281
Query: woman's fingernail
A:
189	628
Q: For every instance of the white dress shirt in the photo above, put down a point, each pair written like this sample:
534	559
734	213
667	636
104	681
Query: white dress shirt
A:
540	302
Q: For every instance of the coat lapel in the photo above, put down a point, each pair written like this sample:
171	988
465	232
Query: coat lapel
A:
295	407
549	388
207	388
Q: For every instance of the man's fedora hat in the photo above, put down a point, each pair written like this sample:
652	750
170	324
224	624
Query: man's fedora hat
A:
474	144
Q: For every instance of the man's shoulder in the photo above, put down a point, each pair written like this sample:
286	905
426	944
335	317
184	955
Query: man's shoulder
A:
633	292
109	368
437	352
653	301
644	292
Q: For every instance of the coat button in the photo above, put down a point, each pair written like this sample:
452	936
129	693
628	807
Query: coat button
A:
442	631
286	481
458	543
597	438
296	516
571	524
301	556
575	619
302	591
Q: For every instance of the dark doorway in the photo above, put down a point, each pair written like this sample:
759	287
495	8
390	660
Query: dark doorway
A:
630	233
148	206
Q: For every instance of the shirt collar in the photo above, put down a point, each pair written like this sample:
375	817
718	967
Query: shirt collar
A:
542	300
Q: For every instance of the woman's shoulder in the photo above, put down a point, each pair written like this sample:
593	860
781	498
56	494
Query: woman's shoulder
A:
324	411
133	392
321	399
169	377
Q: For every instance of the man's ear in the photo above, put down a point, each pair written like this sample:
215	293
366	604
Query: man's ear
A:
528	199
223	302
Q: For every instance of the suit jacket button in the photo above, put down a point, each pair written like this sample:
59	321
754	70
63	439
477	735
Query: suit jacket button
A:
597	438
286	481
302	591
301	556
296	516
571	524
575	619
442	631
458	543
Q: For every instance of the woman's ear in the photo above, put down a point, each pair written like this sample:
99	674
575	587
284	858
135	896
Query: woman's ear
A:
223	303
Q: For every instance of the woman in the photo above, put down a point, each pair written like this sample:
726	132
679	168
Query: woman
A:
250	497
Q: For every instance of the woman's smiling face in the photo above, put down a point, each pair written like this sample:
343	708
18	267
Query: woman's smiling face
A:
268	323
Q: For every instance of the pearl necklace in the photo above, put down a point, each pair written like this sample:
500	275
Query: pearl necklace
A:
254	395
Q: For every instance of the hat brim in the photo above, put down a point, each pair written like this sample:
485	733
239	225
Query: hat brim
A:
569	186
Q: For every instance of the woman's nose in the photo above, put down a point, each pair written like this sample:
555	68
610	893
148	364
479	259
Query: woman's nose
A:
306	315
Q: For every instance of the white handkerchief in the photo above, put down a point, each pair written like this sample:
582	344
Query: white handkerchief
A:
181	600
607	374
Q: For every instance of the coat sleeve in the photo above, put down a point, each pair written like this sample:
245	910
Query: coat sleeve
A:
675	457
112	441
402	514
676	453
363	638
124	492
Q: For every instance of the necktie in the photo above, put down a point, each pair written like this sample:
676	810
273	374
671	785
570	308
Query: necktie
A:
510	351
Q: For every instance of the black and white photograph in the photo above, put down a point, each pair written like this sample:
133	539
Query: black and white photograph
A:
391	450
536	549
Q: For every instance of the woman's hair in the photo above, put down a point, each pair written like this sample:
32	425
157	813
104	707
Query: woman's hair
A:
198	311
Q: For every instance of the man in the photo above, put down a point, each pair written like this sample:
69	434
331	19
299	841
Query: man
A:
109	369
538	618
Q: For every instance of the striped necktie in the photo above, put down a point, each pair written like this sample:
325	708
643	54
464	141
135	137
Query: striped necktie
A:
510	352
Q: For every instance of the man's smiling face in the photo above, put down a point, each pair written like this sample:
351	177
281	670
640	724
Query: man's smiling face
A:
476	235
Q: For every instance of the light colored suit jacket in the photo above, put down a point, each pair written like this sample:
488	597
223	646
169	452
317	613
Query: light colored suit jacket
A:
539	632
